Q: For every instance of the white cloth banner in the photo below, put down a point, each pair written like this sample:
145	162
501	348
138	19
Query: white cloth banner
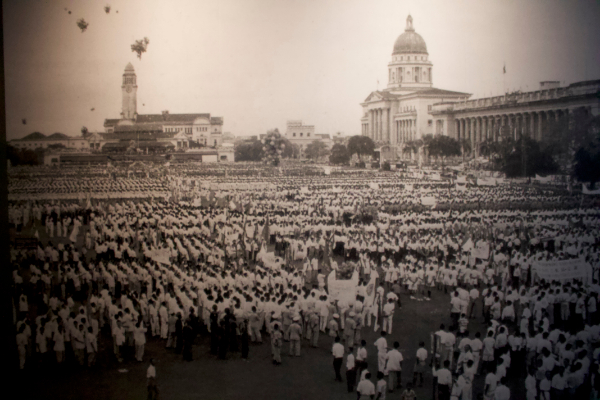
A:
374	186
461	179
327	170
562	270
540	179
435	177
342	290
428	201
486	182
482	250
585	190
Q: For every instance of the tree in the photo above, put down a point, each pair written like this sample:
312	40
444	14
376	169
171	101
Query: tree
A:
361	146
140	47
587	165
443	146
273	147
586	162
249	150
290	150
316	150
527	158
564	138
84	131
339	154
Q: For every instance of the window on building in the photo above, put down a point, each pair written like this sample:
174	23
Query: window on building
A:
430	122
301	134
294	134
308	134
429	107
408	58
215	142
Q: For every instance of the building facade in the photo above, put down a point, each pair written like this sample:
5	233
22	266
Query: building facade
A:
302	135
159	130
523	113
38	140
401	113
410	107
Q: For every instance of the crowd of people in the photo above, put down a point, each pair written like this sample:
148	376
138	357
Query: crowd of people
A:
241	259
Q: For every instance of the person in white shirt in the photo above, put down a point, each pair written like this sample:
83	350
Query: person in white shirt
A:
365	387
394	367
491	383
338	356
420	364
350	370
381	345
151	381
502	392
444	380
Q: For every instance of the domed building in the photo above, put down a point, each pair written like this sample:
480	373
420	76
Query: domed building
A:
400	113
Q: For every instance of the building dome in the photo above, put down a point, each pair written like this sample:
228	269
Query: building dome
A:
129	68
410	41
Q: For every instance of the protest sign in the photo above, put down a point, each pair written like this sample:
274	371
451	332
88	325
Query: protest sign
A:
562	270
342	290
486	181
482	250
585	190
428	201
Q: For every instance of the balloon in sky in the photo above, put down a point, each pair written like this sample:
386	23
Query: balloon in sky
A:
82	24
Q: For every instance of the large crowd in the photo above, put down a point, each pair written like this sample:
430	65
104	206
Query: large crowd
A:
242	258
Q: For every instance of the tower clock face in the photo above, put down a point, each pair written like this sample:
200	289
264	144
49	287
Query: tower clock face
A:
128	89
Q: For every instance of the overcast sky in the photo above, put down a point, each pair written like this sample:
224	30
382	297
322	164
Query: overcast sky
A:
258	63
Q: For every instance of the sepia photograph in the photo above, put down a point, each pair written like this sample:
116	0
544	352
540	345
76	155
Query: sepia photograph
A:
301	199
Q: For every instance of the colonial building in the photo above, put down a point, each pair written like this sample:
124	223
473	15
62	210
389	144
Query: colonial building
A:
530	113
410	107
303	135
401	113
57	140
155	131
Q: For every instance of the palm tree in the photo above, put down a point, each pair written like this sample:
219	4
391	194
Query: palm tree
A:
465	145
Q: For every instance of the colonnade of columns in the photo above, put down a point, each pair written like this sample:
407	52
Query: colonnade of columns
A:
478	129
377	127
405	130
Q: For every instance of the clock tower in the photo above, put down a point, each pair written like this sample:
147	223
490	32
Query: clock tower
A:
129	88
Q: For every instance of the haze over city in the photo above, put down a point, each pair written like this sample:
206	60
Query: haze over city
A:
260	63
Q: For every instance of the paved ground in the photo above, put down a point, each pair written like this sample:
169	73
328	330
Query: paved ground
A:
310	376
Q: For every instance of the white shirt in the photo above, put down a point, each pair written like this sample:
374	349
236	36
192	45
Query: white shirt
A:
151	372
337	350
394	358
381	345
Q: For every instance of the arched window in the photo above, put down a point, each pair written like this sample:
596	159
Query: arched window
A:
301	134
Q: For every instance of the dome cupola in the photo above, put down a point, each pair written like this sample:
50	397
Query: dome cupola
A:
410	42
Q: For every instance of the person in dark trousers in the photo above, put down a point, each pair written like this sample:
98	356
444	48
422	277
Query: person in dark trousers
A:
188	340
214	331
151	381
178	334
245	339
338	356
223	340
350	370
233	334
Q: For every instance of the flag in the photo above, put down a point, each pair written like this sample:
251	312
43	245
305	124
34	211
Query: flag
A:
265	232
